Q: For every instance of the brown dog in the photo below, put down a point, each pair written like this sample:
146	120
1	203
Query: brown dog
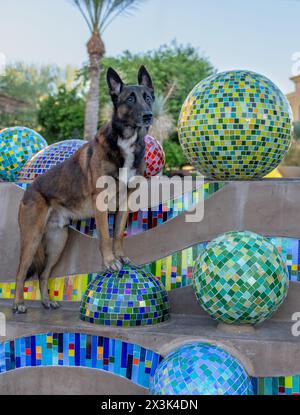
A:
69	189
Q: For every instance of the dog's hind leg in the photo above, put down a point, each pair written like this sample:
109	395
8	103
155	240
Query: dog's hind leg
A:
54	242
33	216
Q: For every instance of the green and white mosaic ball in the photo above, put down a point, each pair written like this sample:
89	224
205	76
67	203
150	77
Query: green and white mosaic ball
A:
241	278
17	146
235	125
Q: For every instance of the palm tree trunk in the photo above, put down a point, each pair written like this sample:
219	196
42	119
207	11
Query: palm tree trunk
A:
96	51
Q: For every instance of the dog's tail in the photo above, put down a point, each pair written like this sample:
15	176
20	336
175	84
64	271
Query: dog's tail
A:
38	265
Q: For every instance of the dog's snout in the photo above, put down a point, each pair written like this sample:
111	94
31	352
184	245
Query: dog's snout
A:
147	117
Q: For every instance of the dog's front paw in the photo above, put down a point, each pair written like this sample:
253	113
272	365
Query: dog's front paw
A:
113	264
53	305
19	308
126	261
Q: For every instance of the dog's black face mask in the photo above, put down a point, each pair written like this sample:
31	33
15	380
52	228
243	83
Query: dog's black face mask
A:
132	104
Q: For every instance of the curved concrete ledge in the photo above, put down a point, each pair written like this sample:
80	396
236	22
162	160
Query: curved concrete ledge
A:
270	208
66	381
268	351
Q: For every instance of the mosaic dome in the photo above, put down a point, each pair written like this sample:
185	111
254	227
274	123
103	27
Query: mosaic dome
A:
241	278
155	157
49	157
235	125
17	146
200	369
131	297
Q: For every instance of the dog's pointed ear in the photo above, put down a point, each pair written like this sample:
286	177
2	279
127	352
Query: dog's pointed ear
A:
114	82
144	78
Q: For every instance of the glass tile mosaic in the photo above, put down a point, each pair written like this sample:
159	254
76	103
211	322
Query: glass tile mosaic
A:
200	369
174	272
241	278
155	157
130	297
17	146
49	157
123	359
130	361
59	152
235	125
289	385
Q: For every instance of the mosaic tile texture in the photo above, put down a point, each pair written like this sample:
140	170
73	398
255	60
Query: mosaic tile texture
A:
151	218
126	360
130	297
200	369
59	152
241	278
123	359
289	385
49	157
147	219
235	125
17	146
155	157
174	272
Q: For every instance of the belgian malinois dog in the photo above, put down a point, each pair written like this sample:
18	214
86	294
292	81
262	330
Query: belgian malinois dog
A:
69	191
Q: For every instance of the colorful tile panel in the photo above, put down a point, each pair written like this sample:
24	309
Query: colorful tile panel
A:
123	359
235	125
289	385
175	271
148	219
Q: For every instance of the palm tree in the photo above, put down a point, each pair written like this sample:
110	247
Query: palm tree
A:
98	15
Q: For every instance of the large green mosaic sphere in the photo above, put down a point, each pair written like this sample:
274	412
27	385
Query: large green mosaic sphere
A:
130	297
17	146
235	125
241	278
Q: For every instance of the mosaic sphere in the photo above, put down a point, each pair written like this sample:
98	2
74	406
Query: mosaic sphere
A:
17	146
235	125
155	157
241	278
200	369
131	297
49	157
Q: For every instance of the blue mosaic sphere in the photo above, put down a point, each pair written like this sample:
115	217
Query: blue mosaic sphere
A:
241	278
200	369
131	297
17	146
235	125
49	157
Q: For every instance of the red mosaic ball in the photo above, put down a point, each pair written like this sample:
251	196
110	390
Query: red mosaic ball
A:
155	157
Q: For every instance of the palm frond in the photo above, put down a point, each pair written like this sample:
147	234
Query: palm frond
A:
99	14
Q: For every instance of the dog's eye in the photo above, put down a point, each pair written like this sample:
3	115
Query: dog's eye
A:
148	99
130	99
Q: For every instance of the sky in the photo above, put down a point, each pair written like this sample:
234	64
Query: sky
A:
259	35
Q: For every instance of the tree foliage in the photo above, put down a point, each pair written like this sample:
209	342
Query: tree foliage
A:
181	66
62	115
99	14
31	84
